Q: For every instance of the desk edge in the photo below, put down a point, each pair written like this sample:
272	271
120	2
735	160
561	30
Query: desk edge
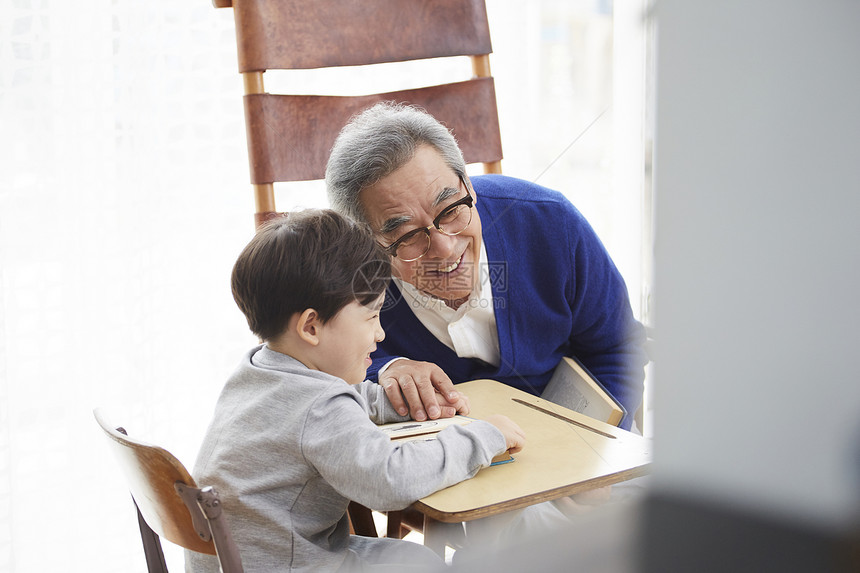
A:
525	501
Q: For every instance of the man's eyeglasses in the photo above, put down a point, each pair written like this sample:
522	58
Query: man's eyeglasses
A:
453	220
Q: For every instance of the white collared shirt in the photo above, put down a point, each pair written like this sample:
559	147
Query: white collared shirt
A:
470	331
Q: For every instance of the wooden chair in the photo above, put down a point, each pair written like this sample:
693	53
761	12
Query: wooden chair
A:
290	136
170	504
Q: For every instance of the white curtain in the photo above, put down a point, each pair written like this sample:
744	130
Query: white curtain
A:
124	200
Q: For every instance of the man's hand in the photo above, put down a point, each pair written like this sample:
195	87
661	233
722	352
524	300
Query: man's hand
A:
422	390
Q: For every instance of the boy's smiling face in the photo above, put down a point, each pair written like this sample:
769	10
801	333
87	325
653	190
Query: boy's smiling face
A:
347	340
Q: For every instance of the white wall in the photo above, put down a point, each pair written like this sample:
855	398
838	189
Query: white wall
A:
757	392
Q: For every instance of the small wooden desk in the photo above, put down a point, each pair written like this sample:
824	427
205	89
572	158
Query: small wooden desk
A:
560	458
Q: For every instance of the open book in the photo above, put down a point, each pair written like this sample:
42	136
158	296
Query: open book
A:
413	430
573	387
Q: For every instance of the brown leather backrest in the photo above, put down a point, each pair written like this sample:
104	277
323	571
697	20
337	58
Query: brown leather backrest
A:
296	34
290	137
151	472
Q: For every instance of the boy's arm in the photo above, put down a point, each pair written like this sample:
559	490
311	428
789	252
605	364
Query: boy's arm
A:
364	465
379	408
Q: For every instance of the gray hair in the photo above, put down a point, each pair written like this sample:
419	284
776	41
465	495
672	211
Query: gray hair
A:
377	142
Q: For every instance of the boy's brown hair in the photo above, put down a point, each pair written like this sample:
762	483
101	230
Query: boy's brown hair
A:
314	258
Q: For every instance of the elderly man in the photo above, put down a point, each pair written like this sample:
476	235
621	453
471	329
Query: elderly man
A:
494	277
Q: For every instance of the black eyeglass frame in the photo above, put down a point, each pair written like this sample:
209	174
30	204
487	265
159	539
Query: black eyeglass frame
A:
468	200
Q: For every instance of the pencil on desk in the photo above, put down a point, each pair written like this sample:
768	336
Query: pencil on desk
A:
560	417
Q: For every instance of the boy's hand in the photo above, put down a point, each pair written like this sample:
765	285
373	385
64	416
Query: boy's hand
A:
422	390
515	438
450	409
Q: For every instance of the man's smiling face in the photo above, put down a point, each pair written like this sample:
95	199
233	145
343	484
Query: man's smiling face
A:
412	197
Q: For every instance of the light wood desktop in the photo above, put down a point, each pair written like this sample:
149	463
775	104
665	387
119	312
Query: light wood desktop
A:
565	453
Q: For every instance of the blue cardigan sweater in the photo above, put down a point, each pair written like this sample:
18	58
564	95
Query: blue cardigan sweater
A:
556	293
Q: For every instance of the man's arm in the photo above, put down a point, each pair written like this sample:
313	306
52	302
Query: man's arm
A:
605	337
380	361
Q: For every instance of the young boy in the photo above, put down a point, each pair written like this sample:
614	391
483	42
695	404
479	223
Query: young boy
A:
293	437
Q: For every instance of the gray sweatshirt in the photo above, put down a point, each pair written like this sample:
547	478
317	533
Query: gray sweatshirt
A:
288	448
